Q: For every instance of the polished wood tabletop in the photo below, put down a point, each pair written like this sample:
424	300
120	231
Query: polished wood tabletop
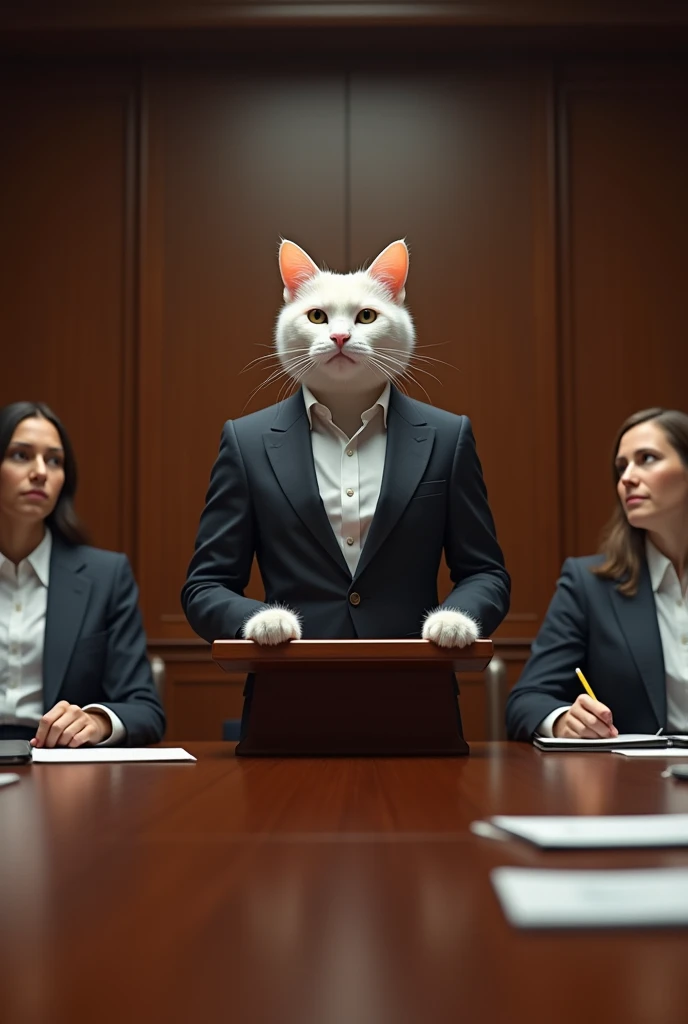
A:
340	891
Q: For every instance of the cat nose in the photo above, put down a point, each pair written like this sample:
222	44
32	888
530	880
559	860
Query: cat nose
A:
339	339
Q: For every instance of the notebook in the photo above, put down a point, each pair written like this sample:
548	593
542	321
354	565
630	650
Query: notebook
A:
627	740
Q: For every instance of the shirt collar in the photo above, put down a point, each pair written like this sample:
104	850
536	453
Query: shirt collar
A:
38	559
657	564
383	401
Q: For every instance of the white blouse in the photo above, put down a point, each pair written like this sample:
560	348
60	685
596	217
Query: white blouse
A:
23	606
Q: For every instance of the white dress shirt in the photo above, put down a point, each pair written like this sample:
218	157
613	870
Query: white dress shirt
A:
671	603
23	606
349	470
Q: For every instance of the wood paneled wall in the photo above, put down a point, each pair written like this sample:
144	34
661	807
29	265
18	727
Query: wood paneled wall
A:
68	195
624	224
544	203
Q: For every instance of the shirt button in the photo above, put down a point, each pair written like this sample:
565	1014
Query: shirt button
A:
684	639
349	451
17	607
349	541
350	492
354	598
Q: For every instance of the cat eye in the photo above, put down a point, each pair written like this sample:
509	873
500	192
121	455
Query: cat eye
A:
366	316
317	316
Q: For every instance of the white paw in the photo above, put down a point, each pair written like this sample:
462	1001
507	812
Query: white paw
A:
448	628
272	626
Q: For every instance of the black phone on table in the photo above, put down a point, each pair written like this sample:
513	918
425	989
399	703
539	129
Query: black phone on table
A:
15	752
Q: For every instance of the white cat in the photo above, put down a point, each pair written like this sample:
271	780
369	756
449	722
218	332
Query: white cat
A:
345	336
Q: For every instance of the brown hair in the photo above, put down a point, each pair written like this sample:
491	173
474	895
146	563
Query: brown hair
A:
623	545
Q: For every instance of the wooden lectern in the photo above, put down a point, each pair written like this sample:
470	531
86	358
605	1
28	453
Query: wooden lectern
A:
352	697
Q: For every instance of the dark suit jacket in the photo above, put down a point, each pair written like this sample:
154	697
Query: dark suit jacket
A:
613	639
263	498
95	646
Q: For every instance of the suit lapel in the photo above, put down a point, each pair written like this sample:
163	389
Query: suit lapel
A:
409	444
68	594
638	620
288	447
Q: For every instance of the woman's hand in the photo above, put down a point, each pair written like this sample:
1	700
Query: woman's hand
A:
587	719
66	725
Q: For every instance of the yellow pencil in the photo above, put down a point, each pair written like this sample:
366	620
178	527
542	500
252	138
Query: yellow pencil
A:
586	684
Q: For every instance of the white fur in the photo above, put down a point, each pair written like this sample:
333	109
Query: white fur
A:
377	352
272	625
448	628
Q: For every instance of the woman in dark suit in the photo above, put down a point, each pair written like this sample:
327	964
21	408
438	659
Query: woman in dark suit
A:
73	663
621	616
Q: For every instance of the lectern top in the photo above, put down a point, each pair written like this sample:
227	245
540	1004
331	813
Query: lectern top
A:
248	656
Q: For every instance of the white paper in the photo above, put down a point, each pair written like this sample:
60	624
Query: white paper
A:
608	831
532	898
666	752
108	755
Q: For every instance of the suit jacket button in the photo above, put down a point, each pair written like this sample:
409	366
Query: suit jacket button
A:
354	598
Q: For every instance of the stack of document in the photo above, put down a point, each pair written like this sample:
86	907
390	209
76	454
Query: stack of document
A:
531	898
621	743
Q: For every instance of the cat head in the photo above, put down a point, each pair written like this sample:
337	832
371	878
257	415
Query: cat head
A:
344	332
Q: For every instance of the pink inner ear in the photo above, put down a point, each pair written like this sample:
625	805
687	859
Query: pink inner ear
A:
391	267
296	266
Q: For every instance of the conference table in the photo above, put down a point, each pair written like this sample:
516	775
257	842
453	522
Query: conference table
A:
319	891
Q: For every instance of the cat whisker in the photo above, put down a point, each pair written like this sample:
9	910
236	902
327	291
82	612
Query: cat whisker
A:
270	355
419	369
390	375
427	361
286	388
409	376
431	360
260	359
394	376
252	365
415	357
255	392
292	385
404	374
398	383
276	374
297	365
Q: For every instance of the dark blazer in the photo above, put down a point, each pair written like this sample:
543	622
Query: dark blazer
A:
263	498
95	646
613	639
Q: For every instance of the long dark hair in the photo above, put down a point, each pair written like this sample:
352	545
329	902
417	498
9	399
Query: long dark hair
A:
63	520
623	545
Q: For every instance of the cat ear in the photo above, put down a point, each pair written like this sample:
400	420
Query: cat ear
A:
296	267
391	268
